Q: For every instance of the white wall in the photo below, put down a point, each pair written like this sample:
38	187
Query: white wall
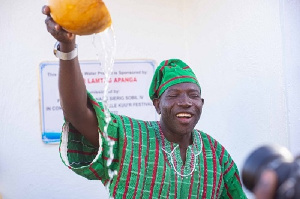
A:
238	49
291	63
238	54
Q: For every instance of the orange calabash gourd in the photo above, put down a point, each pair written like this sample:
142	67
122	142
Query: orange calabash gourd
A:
81	17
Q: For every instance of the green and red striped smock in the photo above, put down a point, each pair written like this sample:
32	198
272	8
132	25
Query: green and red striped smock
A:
145	164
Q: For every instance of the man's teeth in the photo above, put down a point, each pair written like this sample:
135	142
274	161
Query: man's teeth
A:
183	115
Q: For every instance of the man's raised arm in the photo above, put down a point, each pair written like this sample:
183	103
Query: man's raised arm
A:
73	97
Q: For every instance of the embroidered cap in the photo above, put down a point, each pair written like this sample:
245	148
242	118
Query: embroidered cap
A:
169	73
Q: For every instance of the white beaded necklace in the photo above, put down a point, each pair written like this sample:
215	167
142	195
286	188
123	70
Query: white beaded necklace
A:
195	157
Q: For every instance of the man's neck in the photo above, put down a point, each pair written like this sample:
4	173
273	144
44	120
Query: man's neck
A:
184	140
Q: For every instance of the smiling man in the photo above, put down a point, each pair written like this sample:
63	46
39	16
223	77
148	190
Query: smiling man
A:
150	159
176	95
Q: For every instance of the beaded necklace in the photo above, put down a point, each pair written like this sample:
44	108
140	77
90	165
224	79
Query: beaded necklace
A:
171	154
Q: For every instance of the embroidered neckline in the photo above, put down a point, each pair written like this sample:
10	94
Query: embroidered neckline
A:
196	146
169	148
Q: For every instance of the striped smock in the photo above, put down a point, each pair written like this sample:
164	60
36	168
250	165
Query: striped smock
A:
148	165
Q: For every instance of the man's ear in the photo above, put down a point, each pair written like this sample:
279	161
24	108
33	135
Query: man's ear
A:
156	102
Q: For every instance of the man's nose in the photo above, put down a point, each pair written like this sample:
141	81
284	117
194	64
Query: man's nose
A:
185	101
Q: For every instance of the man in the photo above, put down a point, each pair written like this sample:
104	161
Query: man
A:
155	159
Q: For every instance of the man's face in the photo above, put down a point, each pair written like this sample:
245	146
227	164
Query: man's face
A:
180	107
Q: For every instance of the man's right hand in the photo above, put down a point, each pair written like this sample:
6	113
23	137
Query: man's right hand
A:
56	30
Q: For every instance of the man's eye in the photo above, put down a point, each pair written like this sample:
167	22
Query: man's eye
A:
172	95
194	95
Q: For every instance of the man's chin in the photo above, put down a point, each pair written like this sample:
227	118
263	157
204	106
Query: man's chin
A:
185	129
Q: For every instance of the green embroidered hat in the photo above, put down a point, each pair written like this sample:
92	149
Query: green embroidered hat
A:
168	73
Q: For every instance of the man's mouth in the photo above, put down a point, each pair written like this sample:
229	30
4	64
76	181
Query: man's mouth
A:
184	115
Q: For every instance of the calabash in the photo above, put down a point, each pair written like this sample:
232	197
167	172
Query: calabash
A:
81	17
